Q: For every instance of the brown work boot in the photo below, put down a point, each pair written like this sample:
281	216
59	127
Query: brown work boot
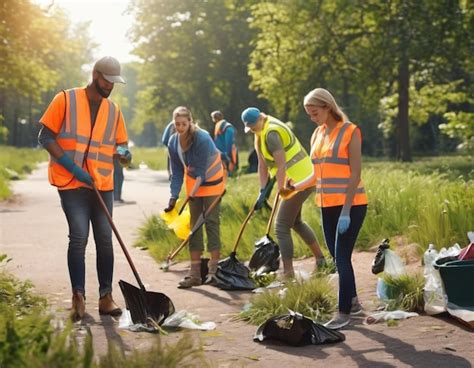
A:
108	306
193	278
78	306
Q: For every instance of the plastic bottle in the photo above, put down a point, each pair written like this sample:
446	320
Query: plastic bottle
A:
431	254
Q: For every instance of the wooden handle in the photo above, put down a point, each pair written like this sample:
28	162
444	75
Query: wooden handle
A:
119	238
274	209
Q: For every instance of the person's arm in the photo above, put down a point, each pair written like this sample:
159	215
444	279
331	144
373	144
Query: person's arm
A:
355	163
262	166
177	169
309	181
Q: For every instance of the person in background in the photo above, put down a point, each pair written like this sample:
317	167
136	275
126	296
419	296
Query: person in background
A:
224	138
280	154
336	155
81	130
168	132
196	161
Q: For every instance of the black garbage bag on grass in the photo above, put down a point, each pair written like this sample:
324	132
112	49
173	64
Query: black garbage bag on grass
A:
297	330
233	275
266	257
378	263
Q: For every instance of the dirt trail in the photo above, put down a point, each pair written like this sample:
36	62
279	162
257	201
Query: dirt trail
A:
34	233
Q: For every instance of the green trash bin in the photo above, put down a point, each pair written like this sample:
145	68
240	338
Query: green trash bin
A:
458	280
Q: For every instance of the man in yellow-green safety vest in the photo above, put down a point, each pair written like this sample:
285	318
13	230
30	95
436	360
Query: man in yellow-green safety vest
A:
280	154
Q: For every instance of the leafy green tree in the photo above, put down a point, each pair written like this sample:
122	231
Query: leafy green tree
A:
195	53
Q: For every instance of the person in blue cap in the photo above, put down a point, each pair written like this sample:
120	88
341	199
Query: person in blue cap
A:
281	155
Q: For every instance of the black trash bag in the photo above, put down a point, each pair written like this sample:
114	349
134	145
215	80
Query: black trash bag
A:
378	263
297	330
233	275
266	257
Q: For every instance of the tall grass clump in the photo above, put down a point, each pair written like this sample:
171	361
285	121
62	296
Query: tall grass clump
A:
405	292
15	162
314	298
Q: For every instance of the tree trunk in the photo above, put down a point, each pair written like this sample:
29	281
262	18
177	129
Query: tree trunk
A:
403	151
403	100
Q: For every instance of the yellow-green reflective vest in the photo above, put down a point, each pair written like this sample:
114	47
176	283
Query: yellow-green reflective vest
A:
298	164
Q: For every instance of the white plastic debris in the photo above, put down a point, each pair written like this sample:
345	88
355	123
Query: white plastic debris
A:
187	320
180	319
388	315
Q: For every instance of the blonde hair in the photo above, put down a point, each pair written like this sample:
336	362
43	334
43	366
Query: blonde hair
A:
187	139
322	98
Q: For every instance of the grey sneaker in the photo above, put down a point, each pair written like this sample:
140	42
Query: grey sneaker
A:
338	321
356	309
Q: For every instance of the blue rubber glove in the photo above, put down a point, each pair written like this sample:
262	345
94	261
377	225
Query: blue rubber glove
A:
80	174
260	199
343	224
124	153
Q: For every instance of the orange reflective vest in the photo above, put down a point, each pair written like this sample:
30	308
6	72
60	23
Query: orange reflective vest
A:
331	165
91	149
213	184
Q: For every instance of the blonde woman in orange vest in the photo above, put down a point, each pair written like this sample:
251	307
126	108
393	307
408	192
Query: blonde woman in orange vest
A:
81	130
196	161
336	156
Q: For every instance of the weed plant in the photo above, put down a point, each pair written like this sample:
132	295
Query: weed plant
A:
314	298
405	292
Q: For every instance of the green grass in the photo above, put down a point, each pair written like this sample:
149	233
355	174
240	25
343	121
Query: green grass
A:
155	158
15	161
405	292
314	298
423	208
28	337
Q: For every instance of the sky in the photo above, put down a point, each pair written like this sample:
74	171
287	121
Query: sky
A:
109	25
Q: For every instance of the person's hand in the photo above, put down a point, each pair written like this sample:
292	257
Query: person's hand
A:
260	199
343	224
171	204
82	175
290	184
286	192
125	155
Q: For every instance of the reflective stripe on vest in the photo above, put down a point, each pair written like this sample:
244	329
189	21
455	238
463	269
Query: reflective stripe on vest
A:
213	184
298	164
331	164
91	150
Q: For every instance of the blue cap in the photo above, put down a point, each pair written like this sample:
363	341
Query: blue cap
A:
250	117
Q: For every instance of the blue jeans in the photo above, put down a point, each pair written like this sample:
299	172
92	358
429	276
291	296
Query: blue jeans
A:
82	207
341	247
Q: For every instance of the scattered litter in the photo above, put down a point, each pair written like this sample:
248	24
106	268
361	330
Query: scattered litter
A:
187	320
389	315
180	319
274	284
282	293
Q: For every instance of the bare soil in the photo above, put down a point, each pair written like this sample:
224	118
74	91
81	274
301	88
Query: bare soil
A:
34	233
